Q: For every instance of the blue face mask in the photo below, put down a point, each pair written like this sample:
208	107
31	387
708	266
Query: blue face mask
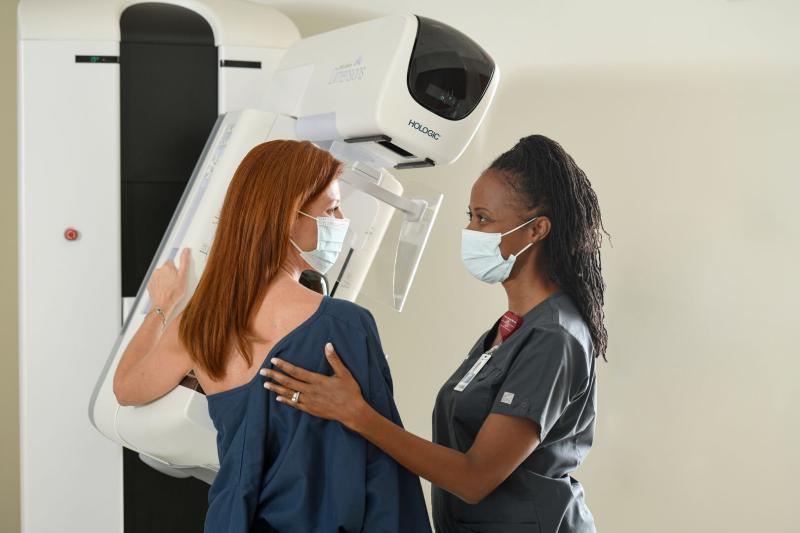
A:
331	232
480	252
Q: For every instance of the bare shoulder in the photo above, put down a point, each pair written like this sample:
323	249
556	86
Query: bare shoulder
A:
308	297
292	298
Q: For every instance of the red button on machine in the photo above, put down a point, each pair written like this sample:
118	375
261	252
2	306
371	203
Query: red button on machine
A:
71	234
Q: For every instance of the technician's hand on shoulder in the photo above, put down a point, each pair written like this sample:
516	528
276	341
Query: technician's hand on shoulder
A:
337	397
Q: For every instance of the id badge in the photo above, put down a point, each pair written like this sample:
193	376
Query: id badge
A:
467	379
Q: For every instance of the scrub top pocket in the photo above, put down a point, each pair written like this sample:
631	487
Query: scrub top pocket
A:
471	405
487	372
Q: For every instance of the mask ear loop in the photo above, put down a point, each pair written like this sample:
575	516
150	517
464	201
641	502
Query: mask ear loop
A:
520	252
292	240
515	229
300	250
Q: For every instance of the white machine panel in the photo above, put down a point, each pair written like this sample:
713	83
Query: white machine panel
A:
176	430
348	91
69	289
355	83
244	74
69	178
234	22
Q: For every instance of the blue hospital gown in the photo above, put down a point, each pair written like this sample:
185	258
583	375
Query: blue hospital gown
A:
283	470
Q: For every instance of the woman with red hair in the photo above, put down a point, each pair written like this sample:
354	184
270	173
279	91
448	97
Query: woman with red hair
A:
280	469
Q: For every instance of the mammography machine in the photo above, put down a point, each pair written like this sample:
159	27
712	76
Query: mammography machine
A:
116	99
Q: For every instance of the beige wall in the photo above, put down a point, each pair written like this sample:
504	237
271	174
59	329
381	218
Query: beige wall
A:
9	382
686	122
686	119
697	180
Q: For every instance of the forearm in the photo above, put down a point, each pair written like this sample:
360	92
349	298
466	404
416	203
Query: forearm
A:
445	467
142	342
501	445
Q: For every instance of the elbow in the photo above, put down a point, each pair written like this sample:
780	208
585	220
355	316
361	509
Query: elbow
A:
470	500
474	496
481	482
123	401
476	492
123	396
120	395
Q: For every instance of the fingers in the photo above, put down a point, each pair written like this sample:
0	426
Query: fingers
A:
284	395
296	372
185	258
297	405
280	390
284	380
333	358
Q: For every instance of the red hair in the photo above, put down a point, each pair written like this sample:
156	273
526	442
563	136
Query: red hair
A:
273	181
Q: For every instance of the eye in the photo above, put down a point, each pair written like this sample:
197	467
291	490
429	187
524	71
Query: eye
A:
481	218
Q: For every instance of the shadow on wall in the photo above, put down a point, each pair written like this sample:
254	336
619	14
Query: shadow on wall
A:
314	19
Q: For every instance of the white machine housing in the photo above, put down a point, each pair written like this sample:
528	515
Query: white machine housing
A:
411	89
70	304
70	177
175	432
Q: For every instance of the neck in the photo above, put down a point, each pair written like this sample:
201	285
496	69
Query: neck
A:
293	266
287	271
527	289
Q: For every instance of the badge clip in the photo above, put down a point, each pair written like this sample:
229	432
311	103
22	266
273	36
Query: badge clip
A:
476	368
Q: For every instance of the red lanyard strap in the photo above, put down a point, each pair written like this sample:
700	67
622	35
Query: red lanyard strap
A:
509	323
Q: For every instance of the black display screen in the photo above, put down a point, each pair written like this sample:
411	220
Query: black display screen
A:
449	72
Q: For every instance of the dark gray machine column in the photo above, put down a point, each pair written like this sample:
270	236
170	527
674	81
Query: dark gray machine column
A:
168	70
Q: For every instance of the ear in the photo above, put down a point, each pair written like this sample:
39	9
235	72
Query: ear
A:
540	228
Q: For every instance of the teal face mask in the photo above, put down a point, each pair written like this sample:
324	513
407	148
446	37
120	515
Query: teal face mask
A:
331	232
480	252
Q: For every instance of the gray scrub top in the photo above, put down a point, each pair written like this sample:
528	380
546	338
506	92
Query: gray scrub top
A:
545	372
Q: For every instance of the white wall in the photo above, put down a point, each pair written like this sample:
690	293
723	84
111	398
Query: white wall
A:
685	116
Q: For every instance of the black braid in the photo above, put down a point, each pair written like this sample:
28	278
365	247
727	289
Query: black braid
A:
551	184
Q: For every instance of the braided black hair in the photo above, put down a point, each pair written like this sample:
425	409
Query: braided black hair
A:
549	183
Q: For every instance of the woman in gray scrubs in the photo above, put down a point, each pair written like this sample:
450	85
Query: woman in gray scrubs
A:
518	415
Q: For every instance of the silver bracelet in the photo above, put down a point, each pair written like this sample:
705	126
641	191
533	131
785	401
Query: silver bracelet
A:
160	312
